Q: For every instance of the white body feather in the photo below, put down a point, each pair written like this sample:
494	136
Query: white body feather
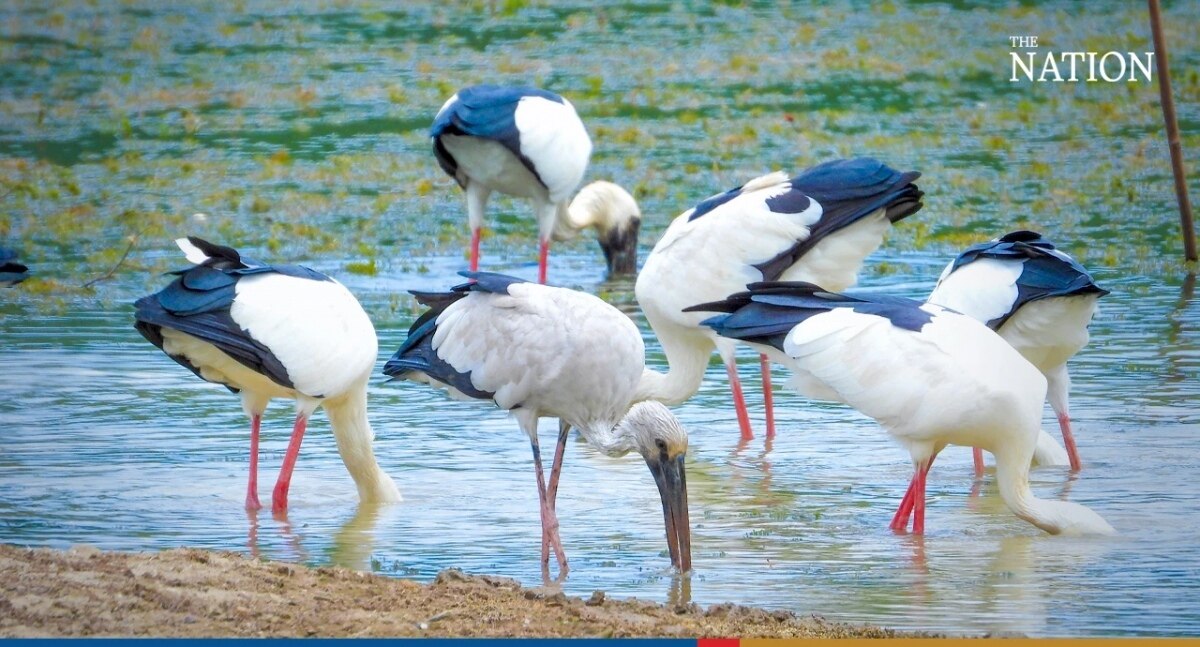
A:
713	256
317	329
953	382
1047	332
551	352
323	337
552	138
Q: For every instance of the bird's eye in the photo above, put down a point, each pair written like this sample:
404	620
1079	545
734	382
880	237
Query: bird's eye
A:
661	444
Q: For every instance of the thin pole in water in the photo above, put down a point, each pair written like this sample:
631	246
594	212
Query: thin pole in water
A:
1168	107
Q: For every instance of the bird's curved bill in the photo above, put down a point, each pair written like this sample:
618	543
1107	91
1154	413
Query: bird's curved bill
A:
620	249
671	478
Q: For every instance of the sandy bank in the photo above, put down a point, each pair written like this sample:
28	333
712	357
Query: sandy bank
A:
190	592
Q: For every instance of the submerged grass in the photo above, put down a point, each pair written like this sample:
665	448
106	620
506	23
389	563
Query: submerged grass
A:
299	132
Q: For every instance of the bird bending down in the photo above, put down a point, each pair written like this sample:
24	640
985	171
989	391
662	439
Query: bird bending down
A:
1037	298
541	351
273	331
11	272
817	226
525	142
928	375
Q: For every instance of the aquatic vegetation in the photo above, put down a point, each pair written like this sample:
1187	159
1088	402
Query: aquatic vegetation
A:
280	126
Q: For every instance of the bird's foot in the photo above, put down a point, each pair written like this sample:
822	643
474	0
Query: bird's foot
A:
252	503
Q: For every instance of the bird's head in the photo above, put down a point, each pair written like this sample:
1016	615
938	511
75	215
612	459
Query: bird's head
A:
662	442
1067	518
617	219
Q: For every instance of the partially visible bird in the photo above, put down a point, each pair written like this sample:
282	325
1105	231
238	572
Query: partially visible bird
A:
525	142
11	272
817	226
1037	298
541	351
928	375
273	331
617	219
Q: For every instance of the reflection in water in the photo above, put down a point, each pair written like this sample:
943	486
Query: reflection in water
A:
976	488
354	543
1009	584
1064	493
252	538
1181	350
919	565
296	552
760	467
679	591
915	546
799	522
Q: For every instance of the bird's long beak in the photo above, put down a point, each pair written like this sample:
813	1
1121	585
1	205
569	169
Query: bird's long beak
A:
671	478
620	249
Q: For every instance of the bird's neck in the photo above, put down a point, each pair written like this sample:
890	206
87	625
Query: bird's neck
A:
611	440
574	217
1055	517
597	213
687	358
352	430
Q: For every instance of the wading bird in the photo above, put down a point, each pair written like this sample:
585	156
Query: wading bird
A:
928	375
541	351
1037	298
528	143
273	331
11	272
817	226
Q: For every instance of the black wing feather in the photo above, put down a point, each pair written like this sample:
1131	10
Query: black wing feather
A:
847	190
1044	274
198	301
487	112
417	355
768	311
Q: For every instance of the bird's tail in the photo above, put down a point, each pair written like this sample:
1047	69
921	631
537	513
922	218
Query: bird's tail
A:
767	311
848	191
416	359
198	251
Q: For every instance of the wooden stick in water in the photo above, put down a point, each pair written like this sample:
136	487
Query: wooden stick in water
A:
1168	106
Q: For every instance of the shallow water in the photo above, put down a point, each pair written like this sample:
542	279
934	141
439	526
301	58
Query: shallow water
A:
298	130
109	443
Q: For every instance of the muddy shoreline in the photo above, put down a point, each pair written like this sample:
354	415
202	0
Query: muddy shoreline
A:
192	593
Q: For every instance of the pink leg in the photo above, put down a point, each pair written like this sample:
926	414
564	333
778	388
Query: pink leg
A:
279	497
739	401
1064	423
543	260
252	502
977	455
550	536
552	489
900	520
475	250
768	395
919	500
556	467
